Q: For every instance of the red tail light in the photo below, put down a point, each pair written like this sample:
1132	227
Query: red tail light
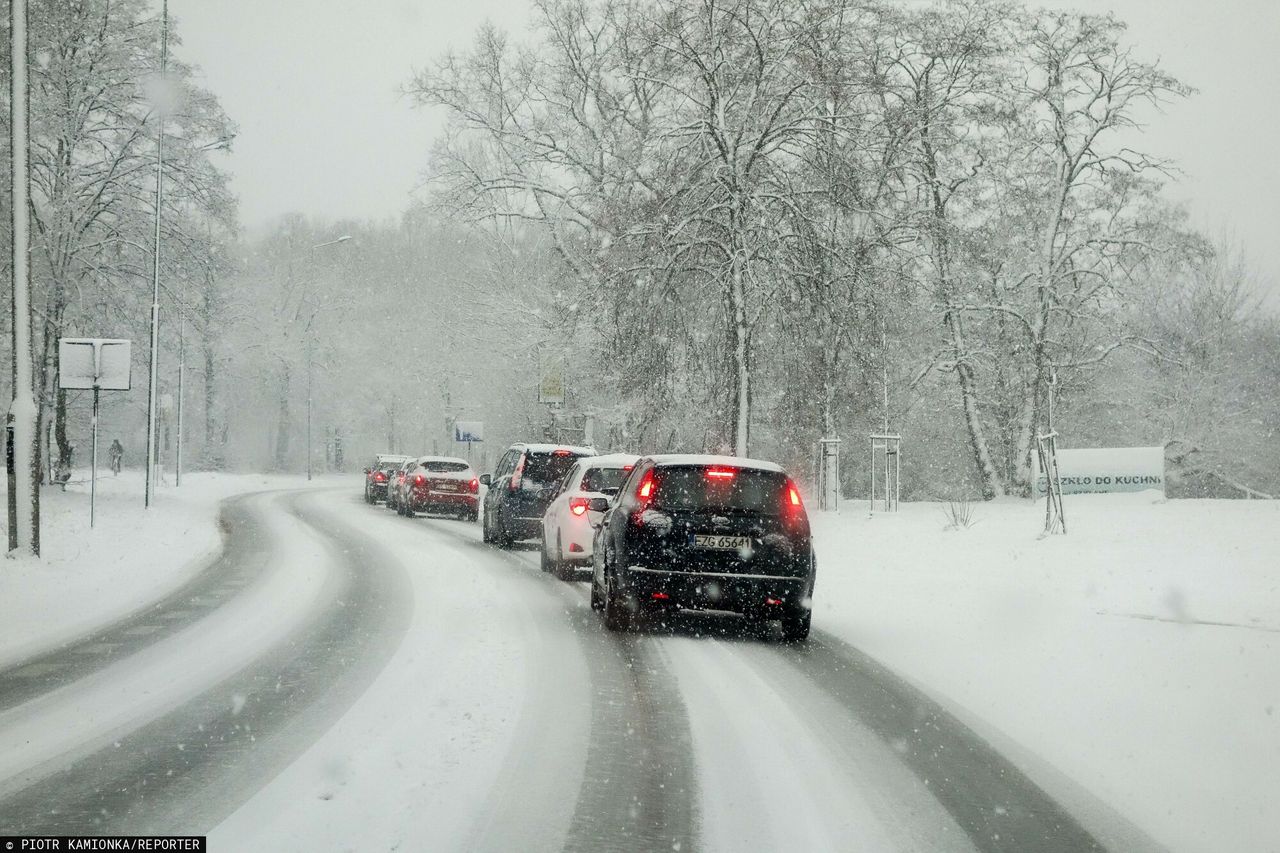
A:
380	477
793	509
516	476
562	452
721	473
645	492
578	506
660	596
474	485
417	480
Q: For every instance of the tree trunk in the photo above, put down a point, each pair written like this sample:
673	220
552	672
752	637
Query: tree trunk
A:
282	425
214	437
741	363
992	486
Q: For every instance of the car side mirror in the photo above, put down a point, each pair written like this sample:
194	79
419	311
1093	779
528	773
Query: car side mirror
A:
598	504
486	480
366	470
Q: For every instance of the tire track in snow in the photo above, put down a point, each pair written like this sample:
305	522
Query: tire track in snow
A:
186	770
241	561
996	805
639	780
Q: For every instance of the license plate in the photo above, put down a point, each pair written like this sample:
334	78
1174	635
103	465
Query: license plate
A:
716	542
446	487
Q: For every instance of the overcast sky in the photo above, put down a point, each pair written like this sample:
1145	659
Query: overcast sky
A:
315	87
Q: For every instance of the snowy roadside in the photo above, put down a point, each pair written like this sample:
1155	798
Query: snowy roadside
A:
1137	655
87	578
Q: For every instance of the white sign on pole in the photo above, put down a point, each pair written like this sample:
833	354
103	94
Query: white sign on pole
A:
551	378
84	363
1107	469
468	431
100	364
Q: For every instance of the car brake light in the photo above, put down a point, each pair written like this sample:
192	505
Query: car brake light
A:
475	485
562	452
721	473
380	477
646	487
514	483
578	506
417	479
773	602
628	467
793	495
660	596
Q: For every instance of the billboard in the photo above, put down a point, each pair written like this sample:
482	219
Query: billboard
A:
551	378
1107	469
84	363
468	431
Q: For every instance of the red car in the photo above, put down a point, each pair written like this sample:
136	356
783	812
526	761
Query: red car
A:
438	484
378	474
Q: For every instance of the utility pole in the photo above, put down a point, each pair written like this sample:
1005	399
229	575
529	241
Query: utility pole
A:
182	370
154	378
23	447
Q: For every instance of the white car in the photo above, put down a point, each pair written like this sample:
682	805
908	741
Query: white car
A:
566	526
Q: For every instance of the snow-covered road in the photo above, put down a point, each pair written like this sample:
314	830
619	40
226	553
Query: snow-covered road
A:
344	678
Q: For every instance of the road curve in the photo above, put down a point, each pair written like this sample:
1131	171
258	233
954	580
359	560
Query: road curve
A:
186	769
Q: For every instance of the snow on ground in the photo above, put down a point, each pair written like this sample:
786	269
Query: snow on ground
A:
86	578
1139	654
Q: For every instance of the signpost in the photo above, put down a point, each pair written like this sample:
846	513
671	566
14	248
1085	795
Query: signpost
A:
100	364
468	432
551	378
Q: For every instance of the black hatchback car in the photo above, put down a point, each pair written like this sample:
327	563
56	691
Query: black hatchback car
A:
521	488
707	533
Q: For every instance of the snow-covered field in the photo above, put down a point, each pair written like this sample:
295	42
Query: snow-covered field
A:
87	577
1139	654
1133	661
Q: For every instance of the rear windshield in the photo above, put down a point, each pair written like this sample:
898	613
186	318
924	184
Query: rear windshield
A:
445	467
747	490
547	468
600	479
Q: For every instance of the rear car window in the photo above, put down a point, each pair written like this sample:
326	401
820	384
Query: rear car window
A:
737	489
599	479
547	468
445	467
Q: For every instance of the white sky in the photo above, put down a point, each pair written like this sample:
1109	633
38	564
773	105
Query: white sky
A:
314	86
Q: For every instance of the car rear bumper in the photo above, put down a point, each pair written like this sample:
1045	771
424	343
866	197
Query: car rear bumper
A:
446	501
738	591
378	489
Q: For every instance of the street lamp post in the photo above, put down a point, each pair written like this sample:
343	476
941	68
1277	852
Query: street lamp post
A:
310	451
153	379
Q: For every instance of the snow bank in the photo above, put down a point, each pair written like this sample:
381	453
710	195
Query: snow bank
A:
89	577
1139	654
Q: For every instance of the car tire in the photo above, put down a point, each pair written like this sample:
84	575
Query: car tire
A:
486	535
409	511
563	568
597	599
546	563
501	537
617	614
795	624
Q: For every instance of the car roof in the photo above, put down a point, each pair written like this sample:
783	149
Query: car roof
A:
665	460
392	457
552	448
611	460
422	459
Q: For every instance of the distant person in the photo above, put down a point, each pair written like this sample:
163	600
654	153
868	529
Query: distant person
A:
116	452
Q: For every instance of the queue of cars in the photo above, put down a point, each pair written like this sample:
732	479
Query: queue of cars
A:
658	532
